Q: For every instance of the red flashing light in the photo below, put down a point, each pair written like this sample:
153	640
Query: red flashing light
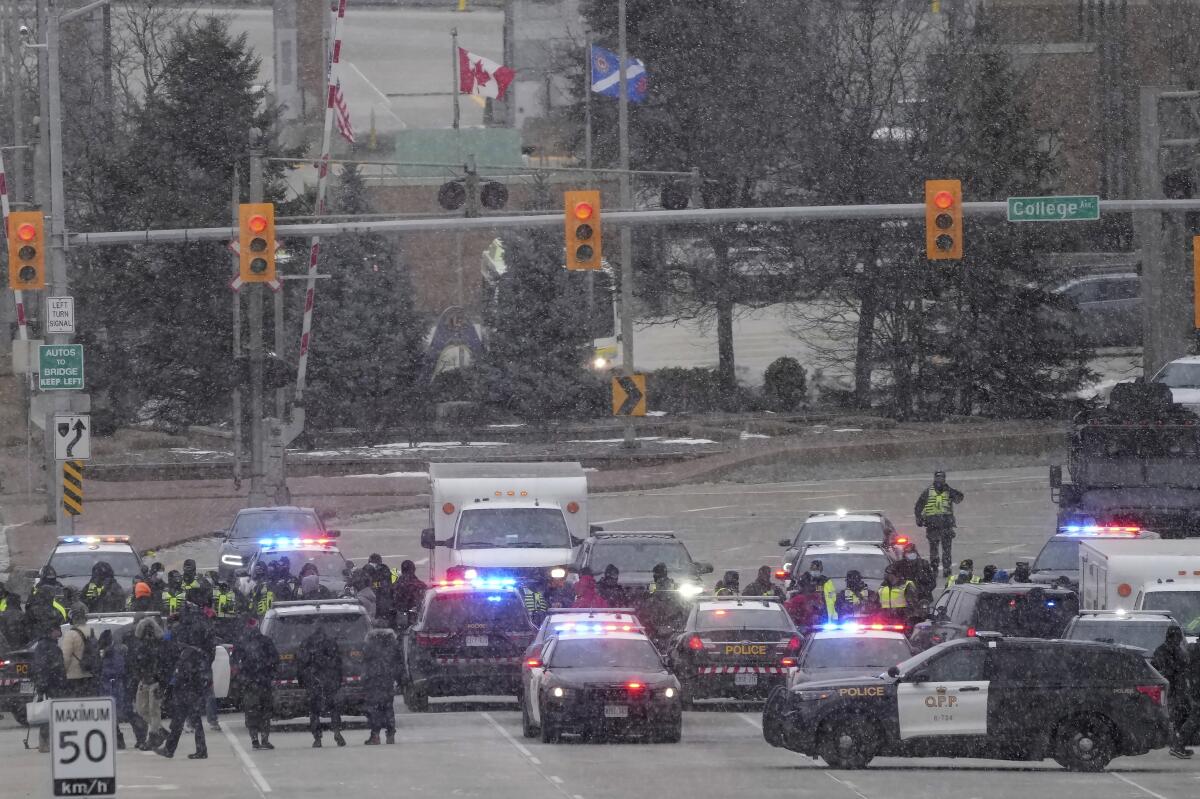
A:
695	643
583	211
970	632
1155	692
533	663
257	223
634	686
780	574
901	540
793	645
26	232
943	200
788	662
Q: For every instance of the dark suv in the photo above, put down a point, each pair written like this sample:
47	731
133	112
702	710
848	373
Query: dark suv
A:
1011	609
287	624
252	526
1080	703
636	555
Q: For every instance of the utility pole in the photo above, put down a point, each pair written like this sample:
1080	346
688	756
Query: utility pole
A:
236	397
626	204
254	318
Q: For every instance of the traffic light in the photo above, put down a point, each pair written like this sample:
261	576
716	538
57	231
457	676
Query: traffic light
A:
256	242
943	220
582	210
26	251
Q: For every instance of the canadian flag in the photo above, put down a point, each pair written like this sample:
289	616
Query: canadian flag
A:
482	76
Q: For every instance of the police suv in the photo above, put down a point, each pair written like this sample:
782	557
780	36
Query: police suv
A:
1080	703
825	526
288	624
75	555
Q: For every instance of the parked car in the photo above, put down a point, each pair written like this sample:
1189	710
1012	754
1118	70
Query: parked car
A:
1182	376
1108	308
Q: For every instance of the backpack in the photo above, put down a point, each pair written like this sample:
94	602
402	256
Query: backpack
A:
90	661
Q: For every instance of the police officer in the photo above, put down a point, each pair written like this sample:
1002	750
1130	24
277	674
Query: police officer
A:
49	673
227	606
283	586
896	595
989	573
103	594
407	594
535	601
320	669
191	681
913	568
762	584
260	597
156	577
966	573
382	578
856	599
609	586
174	595
48	584
193	580
380	659
1022	573
661	580
823	586
728	584
13	628
43	609
934	510
1171	661
256	660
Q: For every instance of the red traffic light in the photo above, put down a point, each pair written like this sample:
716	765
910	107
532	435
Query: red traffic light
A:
257	223
943	200
26	232
584	211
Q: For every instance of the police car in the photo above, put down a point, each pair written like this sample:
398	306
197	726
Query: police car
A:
1016	609
838	558
75	555
559	620
734	647
1081	704
1146	629
468	640
320	551
288	624
252	525
851	649
16	682
597	683
1058	561
868	526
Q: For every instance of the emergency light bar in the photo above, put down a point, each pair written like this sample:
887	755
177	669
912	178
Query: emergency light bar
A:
490	583
1100	530
581	627
281	541
859	627
93	539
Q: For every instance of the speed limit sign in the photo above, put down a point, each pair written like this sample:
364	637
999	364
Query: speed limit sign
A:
82	739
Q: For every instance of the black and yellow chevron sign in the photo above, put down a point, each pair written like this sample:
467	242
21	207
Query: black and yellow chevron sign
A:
73	487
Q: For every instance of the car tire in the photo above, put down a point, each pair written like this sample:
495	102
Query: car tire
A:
528	728
415	700
549	731
687	699
772	729
847	743
1084	744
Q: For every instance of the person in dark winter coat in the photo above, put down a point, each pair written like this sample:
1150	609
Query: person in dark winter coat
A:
256	660
103	594
310	585
114	681
407	594
190	684
1171	661
49	674
609	586
762	585
143	664
1190	702
380	670
319	662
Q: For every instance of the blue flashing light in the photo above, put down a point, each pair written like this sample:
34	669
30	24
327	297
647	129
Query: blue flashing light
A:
1050	603
494	583
494	599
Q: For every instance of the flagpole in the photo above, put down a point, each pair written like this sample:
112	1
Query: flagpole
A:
626	204
454	76
587	111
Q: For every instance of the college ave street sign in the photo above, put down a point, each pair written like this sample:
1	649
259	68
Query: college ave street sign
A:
1084	208
60	367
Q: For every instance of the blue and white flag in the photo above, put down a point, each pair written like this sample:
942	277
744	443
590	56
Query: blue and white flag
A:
606	75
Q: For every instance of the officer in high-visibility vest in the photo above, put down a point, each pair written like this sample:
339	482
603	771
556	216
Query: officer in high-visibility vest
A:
856	599
174	595
728	584
966	573
261	596
535	602
896	595
934	510
816	574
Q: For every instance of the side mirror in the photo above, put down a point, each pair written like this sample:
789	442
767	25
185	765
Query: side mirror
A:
427	539
218	533
595	528
893	671
1056	476
703	567
785	542
576	542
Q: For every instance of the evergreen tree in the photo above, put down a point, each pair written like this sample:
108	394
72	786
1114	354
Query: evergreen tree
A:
365	366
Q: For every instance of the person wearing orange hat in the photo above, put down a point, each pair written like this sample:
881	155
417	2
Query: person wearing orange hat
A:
143	599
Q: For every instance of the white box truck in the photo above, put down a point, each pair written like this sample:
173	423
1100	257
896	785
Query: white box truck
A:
1136	574
519	521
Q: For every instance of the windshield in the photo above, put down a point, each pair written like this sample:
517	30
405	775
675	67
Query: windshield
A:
288	632
641	556
1184	606
1180	375
512	527
1058	556
855	653
835	565
457	611
844	530
1145	634
605	653
744	619
262	525
79	564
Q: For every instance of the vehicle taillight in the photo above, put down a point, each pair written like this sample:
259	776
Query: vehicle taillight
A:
1155	692
793	645
788	662
695	643
781	574
431	639
4	664
634	686
901	540
533	663
970	632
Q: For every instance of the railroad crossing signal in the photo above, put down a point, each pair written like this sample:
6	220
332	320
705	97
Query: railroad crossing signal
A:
582	212
629	395
26	250
943	220
72	477
256	242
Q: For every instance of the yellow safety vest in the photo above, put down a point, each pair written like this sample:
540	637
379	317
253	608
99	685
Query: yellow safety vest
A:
534	601
830	600
193	584
265	599
171	601
224	604
61	610
851	597
3	604
937	503
894	598
93	591
952	579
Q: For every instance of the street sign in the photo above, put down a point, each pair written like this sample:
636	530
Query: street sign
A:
72	437
82	747
629	395
60	314
60	367
1083	208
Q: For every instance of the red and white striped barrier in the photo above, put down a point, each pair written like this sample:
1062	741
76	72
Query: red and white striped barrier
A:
742	669
314	250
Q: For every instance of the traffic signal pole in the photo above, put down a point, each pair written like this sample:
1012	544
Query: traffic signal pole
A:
626	203
254	321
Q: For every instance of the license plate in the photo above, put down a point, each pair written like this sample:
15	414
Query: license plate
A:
26	687
477	640
745	679
616	711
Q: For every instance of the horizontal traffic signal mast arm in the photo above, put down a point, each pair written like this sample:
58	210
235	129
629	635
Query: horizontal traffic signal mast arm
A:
710	216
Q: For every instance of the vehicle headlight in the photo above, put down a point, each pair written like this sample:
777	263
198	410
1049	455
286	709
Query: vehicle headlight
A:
787	567
558	692
669	693
811	696
558	573
691	589
231	560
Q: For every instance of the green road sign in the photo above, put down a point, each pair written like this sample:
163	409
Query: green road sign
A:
60	367
1085	208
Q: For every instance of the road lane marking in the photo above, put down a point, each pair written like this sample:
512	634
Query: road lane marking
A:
757	724
713	507
627	519
260	781
1141	788
555	782
1002	550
